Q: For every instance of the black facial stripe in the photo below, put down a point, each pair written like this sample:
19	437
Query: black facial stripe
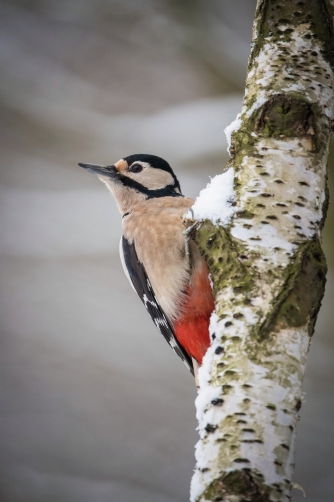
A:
167	191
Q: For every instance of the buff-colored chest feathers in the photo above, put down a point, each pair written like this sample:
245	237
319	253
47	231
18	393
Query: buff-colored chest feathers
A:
157	230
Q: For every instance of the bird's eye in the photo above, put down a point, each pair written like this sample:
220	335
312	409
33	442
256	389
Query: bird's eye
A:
136	168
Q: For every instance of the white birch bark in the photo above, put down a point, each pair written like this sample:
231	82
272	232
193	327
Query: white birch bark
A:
265	258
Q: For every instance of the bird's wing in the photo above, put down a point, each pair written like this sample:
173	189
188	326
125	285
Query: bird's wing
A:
137	276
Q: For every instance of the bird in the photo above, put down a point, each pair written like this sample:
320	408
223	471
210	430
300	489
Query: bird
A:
161	261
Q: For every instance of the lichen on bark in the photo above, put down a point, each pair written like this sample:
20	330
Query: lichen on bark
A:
267	266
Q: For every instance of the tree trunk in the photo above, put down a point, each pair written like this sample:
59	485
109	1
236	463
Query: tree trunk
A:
262	245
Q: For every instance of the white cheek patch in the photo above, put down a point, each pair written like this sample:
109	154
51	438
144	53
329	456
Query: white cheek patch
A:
151	178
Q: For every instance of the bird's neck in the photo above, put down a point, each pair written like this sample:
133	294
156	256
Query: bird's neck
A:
126	199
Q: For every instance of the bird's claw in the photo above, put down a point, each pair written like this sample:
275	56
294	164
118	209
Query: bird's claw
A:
186	232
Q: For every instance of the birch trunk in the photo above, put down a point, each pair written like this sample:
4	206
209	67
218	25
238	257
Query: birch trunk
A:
266	261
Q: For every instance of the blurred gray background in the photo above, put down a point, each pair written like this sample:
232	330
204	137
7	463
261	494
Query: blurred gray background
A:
94	405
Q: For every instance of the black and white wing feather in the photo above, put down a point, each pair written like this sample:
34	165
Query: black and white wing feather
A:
136	273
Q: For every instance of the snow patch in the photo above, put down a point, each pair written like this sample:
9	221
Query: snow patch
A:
207	392
261	99
234	126
217	201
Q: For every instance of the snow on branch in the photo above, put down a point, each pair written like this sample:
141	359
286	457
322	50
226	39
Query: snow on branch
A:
216	202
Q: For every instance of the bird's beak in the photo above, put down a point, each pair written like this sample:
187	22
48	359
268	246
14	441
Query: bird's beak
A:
108	171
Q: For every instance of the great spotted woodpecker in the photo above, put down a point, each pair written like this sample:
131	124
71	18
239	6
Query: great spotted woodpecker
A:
162	264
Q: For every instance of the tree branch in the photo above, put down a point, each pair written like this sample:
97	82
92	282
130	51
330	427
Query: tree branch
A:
266	262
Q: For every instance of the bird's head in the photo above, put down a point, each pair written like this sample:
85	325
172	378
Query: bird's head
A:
136	178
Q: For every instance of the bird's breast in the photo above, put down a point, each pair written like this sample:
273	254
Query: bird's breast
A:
157	232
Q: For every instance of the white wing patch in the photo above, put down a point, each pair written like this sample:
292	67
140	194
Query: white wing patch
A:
160	322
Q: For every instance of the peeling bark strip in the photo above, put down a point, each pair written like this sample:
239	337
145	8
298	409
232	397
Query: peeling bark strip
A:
266	261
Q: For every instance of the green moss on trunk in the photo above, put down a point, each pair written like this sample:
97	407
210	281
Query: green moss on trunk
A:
299	299
228	260
246	483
